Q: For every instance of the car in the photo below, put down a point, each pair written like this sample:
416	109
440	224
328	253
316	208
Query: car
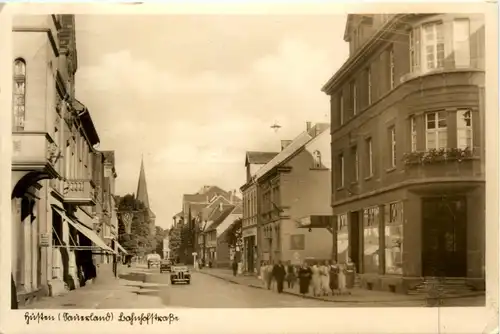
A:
180	273
165	265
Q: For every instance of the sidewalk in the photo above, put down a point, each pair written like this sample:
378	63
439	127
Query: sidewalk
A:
107	292
357	295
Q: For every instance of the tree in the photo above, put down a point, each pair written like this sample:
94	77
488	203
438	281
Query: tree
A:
159	236
139	241
234	236
175	240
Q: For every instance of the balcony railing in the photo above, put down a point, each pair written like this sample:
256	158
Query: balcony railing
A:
452	162
79	192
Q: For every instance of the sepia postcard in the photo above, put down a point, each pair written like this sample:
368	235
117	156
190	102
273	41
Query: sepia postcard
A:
244	168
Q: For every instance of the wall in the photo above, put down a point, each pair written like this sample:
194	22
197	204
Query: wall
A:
306	191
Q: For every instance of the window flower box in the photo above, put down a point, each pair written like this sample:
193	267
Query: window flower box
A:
437	155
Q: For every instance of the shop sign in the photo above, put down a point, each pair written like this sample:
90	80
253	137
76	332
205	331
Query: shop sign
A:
44	240
249	232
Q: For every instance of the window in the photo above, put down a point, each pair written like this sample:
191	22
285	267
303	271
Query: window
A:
342	238
414	43
369	78
413	134
464	128
354	153
436	130
391	68
461	44
19	96
394	238
369	157
392	145
371	243
354	98
341	171
341	109
433	46
297	242
317	159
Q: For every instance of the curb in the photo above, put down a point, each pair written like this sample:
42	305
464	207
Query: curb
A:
337	301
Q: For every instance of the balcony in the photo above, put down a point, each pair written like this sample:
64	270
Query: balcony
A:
34	151
79	192
444	164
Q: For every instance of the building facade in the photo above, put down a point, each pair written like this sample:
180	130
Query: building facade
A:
253	162
53	138
294	186
407	115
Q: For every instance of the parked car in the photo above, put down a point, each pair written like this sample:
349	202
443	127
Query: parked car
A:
180	273
165	265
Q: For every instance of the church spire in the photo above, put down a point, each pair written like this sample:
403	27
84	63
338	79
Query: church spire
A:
142	188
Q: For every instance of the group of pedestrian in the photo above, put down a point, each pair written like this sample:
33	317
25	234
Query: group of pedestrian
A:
323	278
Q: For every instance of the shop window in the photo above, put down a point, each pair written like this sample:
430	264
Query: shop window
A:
394	238
342	238
370	240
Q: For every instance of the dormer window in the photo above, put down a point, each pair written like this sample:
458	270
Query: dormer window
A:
317	159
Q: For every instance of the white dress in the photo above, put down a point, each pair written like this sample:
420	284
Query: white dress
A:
316	280
342	279
325	280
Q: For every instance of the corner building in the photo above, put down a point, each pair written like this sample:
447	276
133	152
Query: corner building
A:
408	176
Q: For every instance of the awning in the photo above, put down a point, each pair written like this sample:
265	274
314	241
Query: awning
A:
121	248
91	235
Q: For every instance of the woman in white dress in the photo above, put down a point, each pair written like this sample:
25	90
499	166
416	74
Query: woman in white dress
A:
316	280
325	279
262	275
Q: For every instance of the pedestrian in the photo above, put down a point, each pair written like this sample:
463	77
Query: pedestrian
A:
325	279
334	277
279	274
235	267
262	272
290	275
269	276
316	279
304	274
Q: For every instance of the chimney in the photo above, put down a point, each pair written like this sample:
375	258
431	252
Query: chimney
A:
285	143
308	126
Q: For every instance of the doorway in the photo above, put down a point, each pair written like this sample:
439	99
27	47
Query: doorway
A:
250	245
444	236
354	234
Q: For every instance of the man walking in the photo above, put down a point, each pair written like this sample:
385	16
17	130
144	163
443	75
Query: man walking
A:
235	267
279	274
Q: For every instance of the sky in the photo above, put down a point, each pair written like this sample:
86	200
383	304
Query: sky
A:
191	94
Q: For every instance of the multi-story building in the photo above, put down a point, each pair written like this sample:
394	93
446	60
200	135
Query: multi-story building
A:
253	162
293	187
53	139
195	208
407	117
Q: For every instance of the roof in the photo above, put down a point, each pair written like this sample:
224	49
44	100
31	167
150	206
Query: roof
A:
194	198
219	217
296	144
142	188
87	123
253	157
238	210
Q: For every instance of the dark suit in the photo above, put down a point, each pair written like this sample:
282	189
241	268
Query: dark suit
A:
279	274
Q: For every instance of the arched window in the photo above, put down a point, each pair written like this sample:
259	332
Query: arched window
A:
19	95
317	159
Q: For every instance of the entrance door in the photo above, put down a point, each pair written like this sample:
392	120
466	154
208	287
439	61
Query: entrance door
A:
250	249
444	238
354	233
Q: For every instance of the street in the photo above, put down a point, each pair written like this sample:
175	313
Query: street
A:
140	288
209	292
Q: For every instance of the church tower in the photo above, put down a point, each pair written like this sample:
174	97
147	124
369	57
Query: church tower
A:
142	195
